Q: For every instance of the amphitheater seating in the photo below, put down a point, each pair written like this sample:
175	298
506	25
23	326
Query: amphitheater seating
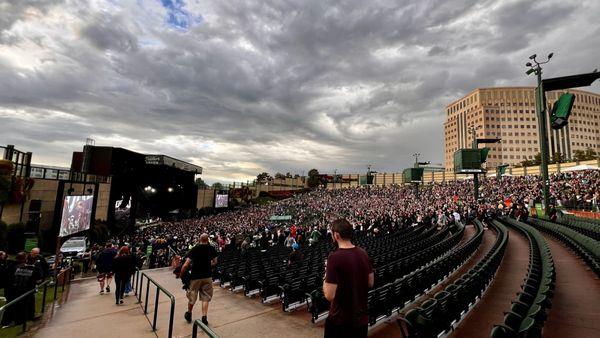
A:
527	314
408	257
440	313
389	299
588	227
586	247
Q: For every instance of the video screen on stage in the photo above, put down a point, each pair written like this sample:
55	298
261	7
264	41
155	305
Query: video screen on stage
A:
123	210
76	214
221	201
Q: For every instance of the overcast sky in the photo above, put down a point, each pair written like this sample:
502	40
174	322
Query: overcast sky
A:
240	87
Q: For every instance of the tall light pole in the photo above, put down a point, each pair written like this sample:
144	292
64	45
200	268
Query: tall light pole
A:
540	109
334	177
416	156
475	145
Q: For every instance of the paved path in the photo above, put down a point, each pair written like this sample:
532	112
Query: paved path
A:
506	284
88	314
576	303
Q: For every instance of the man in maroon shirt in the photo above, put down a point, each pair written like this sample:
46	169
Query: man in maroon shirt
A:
348	277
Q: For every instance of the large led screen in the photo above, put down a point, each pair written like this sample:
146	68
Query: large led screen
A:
221	201
76	214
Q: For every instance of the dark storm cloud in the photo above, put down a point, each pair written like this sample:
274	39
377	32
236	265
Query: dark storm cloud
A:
109	32
270	85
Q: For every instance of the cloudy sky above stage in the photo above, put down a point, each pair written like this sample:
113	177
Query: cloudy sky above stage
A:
241	87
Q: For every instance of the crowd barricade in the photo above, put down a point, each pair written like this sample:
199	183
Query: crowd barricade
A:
139	278
62	279
199	324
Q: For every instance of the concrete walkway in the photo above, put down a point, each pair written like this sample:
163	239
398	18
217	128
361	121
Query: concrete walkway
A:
89	315
501	292
576	302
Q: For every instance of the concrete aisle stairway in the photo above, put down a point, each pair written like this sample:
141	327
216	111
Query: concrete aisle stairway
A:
506	284
576	303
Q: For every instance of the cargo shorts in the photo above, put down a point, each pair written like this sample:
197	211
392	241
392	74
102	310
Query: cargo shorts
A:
202	287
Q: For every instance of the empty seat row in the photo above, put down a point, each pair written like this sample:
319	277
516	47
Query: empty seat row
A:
587	248
527	314
388	300
387	275
586	226
440	313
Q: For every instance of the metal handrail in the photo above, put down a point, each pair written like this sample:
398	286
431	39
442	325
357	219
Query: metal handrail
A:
23	296
206	329
64	279
145	306
45	284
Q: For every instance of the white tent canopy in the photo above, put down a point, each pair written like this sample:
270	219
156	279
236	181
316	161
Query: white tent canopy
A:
504	175
581	167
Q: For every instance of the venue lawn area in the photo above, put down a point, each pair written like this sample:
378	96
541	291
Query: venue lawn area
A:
16	330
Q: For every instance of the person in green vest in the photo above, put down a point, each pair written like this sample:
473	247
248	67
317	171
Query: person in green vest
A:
315	236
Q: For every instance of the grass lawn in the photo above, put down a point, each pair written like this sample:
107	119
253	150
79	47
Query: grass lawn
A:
14	331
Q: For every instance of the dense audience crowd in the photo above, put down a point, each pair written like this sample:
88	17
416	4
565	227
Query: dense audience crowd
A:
375	210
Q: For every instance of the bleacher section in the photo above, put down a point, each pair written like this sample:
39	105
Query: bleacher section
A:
580	241
409	257
589	227
267	272
528	312
439	314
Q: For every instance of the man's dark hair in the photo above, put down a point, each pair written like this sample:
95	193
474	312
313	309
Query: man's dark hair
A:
21	257
342	227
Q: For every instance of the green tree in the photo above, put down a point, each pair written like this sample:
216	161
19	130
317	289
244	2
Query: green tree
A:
201	184
217	186
590	154
279	176
313	178
557	158
263	178
537	159
579	155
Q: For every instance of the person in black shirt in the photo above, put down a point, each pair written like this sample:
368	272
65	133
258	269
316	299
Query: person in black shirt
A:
201	258
123	267
40	263
22	277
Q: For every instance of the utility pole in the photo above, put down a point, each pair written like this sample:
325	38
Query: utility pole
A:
540	110
475	145
334	177
416	165
559	120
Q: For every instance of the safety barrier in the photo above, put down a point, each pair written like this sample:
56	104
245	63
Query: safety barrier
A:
139	287
64	276
199	324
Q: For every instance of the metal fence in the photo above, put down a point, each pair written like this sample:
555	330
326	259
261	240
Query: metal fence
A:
138	284
63	278
199	324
